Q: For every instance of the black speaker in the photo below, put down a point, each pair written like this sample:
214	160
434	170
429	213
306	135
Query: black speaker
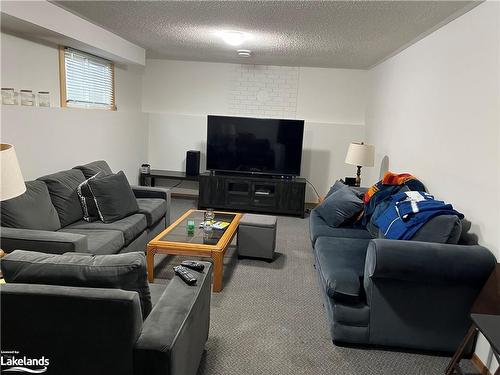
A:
192	163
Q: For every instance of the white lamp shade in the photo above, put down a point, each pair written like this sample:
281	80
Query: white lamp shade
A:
11	179
360	154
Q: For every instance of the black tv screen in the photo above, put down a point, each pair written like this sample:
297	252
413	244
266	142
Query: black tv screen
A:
254	145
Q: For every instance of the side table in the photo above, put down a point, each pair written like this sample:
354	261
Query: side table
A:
485	316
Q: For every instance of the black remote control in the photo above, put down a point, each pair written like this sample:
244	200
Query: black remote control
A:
185	275
193	265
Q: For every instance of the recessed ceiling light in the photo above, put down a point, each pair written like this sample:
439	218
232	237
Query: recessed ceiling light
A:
233	37
244	52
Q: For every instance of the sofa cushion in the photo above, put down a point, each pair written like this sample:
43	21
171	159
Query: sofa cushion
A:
340	207
31	210
120	271
340	263
91	169
62	189
131	226
440	229
100	242
113	196
153	208
319	228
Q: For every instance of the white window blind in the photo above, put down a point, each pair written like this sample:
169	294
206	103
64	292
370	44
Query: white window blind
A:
89	80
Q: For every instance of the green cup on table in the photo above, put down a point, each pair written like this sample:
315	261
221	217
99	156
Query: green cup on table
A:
190	226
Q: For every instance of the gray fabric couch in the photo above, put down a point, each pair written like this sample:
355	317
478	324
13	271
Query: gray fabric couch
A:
101	330
410	294
49	217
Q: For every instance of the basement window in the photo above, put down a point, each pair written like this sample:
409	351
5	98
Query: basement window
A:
87	81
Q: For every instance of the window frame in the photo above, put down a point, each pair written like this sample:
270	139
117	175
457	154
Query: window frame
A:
62	83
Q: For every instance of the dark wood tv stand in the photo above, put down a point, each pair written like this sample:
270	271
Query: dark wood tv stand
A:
254	193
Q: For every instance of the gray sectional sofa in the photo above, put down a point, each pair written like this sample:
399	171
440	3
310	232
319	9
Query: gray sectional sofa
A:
410	294
49	217
79	296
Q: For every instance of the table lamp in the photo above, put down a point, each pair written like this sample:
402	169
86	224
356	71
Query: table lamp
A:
360	155
11	180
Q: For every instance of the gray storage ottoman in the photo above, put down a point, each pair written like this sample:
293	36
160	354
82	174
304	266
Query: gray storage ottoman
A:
257	236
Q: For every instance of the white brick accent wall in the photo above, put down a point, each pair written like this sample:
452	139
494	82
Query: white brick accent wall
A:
263	91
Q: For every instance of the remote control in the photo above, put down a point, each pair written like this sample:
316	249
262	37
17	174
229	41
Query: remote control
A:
185	275
193	265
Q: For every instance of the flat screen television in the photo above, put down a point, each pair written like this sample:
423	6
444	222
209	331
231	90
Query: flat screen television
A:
254	145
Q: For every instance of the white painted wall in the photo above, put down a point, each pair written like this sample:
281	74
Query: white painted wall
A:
434	111
178	95
28	65
52	139
59	26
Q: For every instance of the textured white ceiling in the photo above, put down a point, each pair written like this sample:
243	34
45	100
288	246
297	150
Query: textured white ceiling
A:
340	34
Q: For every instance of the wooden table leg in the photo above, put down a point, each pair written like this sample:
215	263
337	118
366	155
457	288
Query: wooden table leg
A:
218	259
150	262
455	360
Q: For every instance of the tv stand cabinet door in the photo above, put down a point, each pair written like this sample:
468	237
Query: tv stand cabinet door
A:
291	197
212	192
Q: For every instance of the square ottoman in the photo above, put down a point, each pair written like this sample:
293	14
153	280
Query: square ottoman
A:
257	236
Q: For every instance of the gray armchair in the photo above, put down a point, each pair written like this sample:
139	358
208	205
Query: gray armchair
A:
93	330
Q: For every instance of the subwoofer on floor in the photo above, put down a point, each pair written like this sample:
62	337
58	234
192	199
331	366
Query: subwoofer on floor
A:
192	163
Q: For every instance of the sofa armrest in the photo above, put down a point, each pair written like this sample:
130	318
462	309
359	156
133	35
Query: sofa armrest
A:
154	192
428	262
42	240
151	192
174	334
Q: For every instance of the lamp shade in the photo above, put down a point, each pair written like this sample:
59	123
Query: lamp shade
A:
360	154
11	179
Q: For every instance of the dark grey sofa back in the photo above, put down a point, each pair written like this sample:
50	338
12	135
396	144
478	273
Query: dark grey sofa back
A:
62	189
121	271
31	210
80	330
93	168
440	229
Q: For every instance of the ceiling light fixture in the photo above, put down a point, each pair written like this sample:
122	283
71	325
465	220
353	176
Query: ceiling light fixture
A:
233	37
244	53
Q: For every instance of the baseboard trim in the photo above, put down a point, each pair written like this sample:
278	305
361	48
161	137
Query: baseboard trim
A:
479	365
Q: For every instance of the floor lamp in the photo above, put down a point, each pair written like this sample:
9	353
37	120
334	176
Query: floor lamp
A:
11	179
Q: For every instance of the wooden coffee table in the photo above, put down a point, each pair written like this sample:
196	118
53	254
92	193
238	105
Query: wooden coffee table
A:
175	240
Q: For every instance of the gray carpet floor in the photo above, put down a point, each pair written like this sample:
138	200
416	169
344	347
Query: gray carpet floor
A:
269	318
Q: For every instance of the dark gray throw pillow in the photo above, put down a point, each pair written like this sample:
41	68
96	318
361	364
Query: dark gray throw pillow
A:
62	189
340	207
113	196
89	207
91	169
339	184
31	210
118	271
